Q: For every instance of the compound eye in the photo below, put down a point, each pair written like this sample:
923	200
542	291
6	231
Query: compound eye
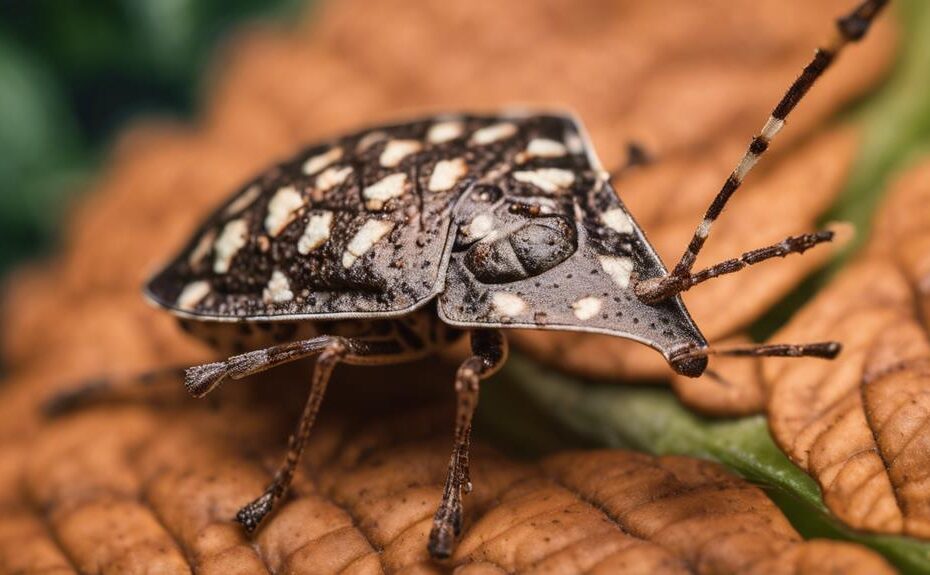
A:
544	243
532	249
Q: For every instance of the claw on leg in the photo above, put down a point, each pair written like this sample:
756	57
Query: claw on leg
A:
447	526
252	514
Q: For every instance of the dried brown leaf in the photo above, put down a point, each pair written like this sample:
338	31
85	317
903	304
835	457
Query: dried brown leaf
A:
133	490
127	489
859	425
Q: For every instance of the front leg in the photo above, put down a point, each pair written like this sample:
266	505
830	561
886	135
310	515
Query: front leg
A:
489	349
330	351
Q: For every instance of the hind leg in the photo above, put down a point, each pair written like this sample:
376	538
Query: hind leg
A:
105	388
489	349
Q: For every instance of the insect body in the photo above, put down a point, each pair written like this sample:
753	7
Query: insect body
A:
499	220
387	244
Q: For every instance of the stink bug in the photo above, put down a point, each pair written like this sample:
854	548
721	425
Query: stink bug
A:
389	243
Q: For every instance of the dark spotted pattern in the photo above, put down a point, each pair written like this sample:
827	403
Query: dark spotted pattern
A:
525	220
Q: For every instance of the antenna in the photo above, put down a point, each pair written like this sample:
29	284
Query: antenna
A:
850	28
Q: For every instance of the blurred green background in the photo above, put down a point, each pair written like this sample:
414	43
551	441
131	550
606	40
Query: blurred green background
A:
72	72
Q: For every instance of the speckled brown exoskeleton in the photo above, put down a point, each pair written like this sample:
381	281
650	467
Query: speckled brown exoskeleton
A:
390	243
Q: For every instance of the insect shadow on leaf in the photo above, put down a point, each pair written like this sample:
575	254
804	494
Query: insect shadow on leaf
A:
517	226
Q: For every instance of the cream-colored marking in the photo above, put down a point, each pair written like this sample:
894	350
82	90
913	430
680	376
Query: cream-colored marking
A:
396	150
243	201
318	162
446	174
278	289
619	269
618	220
192	294
493	133
547	179
380	192
574	143
233	237
508	304
316	233
445	131
746	164
480	226
282	209
369	234
369	140
704	228
544	148
586	308
202	249
772	127
332	177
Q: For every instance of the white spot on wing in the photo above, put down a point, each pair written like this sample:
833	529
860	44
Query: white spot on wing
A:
619	269
192	294
618	220
547	179
243	201
316	233
544	148
587	308
508	304
278	289
396	150
493	133
446	174
445	131
369	234
480	226
318	162
231	240
332	177
282	209
574	143
380	192
202	248
369	140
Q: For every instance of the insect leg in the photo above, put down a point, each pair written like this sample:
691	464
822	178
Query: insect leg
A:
657	289
332	350
489	349
850	28
820	349
202	379
93	390
253	513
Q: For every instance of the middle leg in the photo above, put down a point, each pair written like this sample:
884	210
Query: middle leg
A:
489	349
